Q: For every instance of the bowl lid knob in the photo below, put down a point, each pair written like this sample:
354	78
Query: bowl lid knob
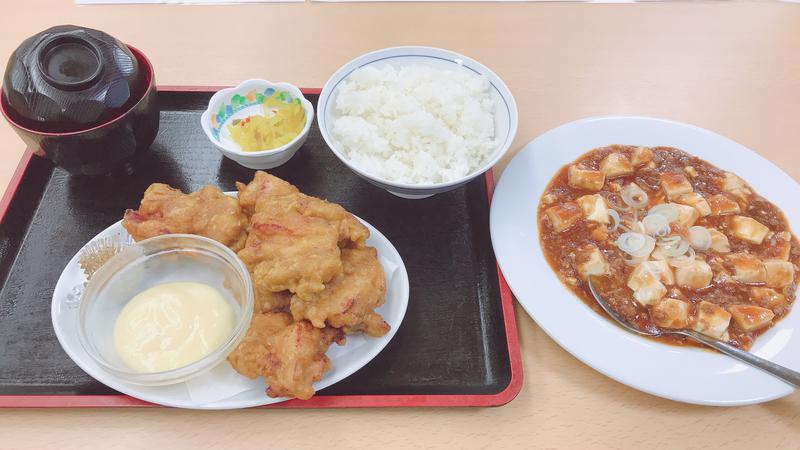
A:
69	62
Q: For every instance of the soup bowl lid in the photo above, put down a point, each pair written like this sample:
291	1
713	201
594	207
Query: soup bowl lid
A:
69	78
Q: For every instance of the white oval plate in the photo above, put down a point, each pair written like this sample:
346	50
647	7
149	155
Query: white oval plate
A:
683	374
345	360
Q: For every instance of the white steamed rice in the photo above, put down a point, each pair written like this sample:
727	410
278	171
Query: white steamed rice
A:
416	125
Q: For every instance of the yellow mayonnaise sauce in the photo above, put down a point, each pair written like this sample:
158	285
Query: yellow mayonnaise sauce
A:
171	325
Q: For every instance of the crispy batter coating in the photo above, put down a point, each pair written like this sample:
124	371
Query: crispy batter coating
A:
268	301
294	239
295	359
290	356
352	233
207	212
246	359
263	185
274	196
350	299
291	251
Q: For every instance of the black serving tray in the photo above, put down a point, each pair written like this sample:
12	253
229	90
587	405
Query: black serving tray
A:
457	345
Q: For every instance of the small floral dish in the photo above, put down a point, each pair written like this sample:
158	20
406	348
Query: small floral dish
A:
232	105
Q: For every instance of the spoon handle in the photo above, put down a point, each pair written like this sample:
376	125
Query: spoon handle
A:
787	375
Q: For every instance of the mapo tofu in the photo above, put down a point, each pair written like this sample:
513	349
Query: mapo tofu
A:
671	241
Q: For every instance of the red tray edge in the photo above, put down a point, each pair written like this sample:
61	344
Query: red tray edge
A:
338	401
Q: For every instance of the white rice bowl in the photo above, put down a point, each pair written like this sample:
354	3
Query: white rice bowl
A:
416	124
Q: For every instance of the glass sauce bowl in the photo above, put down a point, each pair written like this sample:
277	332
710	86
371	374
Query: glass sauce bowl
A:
162	259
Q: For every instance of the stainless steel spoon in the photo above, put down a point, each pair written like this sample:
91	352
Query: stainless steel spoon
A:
787	375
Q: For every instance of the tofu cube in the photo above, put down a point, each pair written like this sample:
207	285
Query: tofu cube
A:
687	215
732	182
696	201
658	254
736	186
675	184
590	180
711	320
722	205
646	287
748	229
696	275
592	262
665	273
659	267
641	156
671	313
564	215
747	268
767	298
751	318
594	208
780	273
719	242
650	294
616	165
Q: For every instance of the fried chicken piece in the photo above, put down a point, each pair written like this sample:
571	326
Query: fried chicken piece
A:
290	356
295	359
207	212
352	233
270	194
349	300
268	301
263	185
294	238
246	359
291	251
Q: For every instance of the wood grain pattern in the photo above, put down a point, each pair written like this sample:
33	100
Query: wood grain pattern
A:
728	67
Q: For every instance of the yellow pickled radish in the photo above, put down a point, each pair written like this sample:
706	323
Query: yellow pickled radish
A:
280	123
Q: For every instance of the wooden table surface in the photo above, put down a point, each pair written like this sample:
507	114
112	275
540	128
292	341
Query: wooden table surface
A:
727	66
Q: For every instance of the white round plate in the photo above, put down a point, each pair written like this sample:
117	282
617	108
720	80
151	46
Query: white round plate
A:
684	374
345	360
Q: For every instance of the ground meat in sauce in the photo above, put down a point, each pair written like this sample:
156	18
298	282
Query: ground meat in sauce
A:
560	248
